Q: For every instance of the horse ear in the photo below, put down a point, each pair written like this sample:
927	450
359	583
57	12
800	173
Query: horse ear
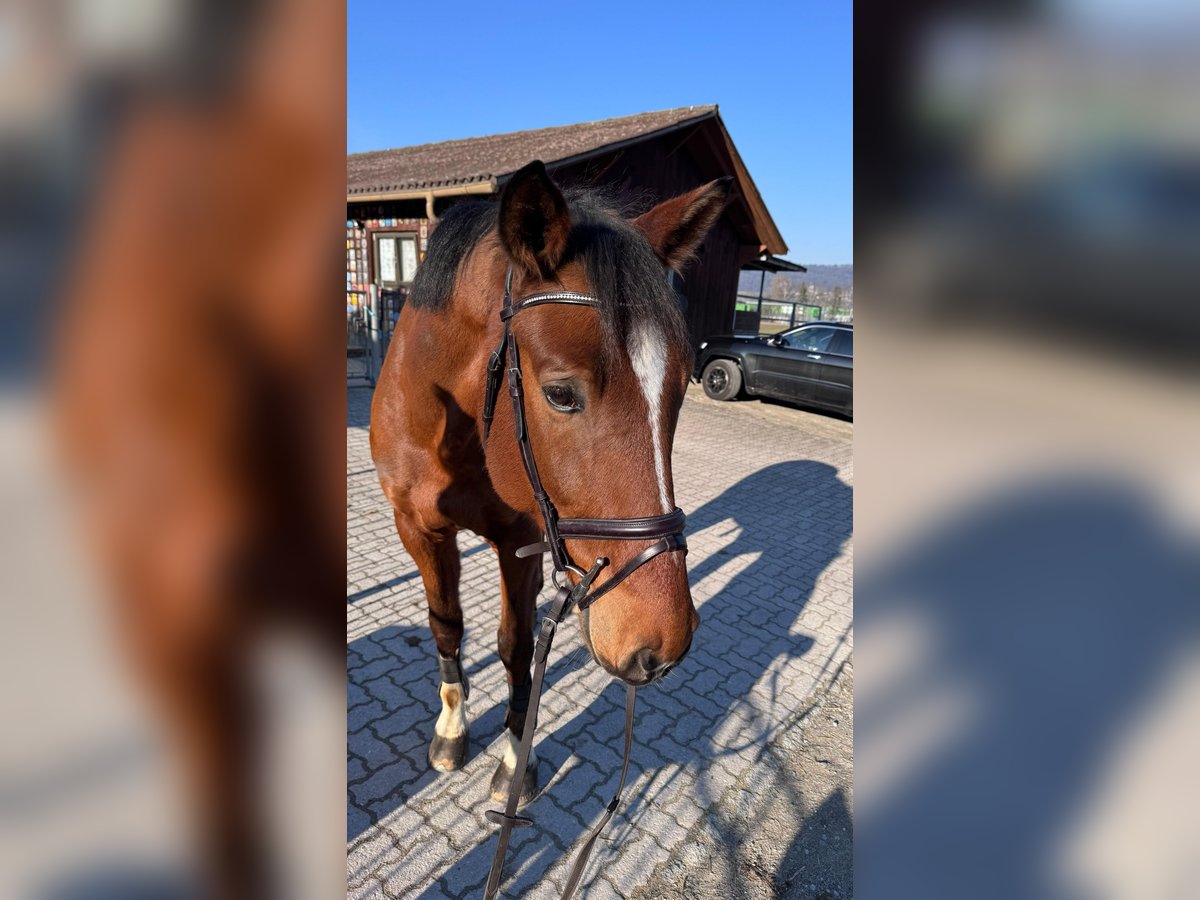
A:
676	227
534	220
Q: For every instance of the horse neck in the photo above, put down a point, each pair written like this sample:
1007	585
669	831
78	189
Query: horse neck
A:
479	292
469	327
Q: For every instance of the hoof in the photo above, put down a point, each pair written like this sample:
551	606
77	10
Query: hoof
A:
503	779
448	754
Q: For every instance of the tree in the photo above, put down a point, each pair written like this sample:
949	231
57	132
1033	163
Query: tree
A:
841	303
782	288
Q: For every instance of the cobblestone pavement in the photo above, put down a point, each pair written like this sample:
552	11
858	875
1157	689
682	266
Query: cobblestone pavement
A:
767	489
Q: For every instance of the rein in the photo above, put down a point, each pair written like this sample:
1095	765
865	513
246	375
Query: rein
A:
666	531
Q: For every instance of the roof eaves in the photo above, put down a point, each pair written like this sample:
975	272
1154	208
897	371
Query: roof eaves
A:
773	240
702	110
408	186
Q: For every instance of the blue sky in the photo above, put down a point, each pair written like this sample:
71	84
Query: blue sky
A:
781	73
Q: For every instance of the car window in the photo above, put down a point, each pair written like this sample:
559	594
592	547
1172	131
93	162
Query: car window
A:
812	340
843	342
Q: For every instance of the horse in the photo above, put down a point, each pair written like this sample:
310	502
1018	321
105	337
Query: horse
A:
196	380
603	385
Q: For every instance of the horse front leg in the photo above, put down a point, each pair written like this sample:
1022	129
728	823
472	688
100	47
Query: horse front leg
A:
436	555
521	581
193	652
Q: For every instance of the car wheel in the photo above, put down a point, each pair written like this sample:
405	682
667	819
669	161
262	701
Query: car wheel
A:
722	379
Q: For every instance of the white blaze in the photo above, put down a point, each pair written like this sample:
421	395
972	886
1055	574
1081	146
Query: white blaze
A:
648	354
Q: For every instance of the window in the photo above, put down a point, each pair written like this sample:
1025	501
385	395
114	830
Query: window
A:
811	340
395	259
843	342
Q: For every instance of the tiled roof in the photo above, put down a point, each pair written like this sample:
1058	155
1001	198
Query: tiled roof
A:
482	159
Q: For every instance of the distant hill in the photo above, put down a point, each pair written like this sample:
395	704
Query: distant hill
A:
828	276
825	277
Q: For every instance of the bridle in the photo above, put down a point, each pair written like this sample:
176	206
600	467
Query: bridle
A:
666	531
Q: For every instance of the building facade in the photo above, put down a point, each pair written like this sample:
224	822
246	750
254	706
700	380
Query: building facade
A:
394	198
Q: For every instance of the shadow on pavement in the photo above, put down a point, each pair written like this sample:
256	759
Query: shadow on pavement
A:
791	519
123	881
1051	614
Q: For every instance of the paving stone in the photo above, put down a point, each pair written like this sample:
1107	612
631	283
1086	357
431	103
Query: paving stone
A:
767	490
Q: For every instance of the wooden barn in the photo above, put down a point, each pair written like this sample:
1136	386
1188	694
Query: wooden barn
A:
395	196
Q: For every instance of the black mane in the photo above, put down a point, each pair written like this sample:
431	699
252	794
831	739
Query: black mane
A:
623	271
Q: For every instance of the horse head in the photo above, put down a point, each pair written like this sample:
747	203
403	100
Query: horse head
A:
603	385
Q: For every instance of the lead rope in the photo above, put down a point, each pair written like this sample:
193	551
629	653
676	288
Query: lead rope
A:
508	819
585	851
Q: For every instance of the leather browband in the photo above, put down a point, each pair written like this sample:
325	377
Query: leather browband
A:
570	298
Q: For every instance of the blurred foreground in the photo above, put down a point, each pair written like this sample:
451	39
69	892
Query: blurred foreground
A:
1027	435
1028	511
170	411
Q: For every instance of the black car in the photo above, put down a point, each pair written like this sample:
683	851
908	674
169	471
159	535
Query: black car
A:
812	364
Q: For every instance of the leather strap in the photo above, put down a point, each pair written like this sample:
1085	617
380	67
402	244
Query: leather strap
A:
667	544
508	819
585	851
644	529
568	298
558	551
495	372
647	528
495	367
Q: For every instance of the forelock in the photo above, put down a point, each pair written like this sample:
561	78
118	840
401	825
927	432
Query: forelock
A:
625	275
623	272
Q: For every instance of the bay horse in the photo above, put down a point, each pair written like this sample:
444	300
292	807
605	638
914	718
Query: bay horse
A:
603	385
196	380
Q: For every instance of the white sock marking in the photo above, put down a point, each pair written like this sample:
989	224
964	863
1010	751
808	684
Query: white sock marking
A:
452	721
648	354
511	746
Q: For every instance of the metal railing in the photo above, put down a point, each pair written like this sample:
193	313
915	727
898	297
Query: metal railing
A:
768	315
366	338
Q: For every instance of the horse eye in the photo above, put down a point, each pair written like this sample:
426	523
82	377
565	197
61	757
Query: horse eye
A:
562	398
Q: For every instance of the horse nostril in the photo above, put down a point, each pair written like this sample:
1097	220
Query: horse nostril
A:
640	668
647	661
643	667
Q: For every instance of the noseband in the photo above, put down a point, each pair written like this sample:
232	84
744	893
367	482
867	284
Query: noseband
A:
666	532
